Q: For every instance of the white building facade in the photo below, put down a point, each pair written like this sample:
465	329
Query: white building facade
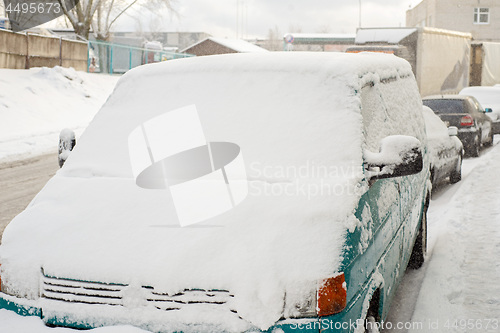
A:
481	18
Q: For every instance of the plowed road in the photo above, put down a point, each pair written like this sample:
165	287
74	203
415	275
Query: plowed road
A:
20	181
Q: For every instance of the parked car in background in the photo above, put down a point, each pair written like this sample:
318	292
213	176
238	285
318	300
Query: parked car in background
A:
489	98
445	149
305	174
4	23
152	52
465	113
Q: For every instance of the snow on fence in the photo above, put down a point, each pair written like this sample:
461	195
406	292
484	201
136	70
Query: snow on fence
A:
24	50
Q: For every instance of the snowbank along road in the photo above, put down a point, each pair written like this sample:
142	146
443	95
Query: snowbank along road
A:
458	288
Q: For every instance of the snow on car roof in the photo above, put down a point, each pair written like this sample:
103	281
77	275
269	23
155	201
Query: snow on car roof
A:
296	119
493	89
460	97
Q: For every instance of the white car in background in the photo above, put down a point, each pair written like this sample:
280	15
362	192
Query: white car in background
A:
489	98
445	149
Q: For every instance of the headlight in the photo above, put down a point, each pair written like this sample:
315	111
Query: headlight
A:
300	300
316	299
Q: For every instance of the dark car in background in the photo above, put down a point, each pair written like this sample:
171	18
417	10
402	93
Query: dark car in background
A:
445	149
464	112
489	97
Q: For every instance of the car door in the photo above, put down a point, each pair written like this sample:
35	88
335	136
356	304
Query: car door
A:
483	121
383	198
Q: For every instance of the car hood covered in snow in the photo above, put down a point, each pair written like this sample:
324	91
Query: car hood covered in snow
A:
296	121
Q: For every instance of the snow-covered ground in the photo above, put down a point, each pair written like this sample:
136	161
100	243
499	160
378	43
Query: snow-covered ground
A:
461	288
36	104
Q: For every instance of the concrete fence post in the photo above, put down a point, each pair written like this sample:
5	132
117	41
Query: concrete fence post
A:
60	51
27	66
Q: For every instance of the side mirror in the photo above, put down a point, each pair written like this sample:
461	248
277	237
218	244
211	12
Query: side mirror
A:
67	142
452	131
488	110
399	155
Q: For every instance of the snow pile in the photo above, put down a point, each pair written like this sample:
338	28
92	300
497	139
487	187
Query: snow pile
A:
461	285
303	168
36	104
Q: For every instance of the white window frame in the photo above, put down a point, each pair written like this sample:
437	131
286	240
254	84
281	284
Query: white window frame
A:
481	12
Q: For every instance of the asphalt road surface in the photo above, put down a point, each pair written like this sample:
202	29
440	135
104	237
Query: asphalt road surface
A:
20	181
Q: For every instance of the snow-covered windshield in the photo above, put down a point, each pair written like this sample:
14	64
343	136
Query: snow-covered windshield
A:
280	114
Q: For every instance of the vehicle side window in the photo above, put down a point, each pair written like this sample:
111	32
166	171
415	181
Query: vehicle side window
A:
470	106
391	107
477	106
404	107
374	117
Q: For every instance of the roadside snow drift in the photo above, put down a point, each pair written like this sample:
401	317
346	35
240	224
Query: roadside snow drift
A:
36	104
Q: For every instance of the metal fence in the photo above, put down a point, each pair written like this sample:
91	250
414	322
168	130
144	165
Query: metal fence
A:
111	58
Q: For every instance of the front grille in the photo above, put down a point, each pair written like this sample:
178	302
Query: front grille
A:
75	291
183	299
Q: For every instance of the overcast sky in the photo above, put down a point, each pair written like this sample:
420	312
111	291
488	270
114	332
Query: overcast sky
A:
254	18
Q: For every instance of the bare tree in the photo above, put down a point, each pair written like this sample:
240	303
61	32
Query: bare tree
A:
100	15
274	40
324	29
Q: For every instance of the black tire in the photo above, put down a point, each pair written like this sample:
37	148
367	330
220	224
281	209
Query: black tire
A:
372	320
456	174
417	257
433	181
489	143
475	147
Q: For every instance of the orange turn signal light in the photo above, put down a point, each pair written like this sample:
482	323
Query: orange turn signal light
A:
332	296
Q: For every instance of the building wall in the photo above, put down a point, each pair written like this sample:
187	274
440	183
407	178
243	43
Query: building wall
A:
423	15
457	15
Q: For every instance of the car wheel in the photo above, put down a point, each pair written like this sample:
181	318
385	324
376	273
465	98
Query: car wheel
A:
456	174
372	320
489	143
417	257
475	147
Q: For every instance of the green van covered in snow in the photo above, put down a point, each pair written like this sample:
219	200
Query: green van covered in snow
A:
233	193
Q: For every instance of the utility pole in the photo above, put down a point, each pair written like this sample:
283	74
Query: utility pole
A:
359	22
237	17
